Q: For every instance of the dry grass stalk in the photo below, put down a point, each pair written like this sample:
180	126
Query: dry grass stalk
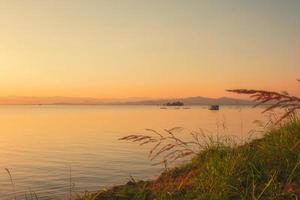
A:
165	145
12	183
168	147
281	100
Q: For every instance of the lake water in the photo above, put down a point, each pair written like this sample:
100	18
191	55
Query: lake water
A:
43	145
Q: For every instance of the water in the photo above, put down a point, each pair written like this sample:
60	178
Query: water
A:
43	146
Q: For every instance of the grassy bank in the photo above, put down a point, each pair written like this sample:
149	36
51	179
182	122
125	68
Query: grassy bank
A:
267	168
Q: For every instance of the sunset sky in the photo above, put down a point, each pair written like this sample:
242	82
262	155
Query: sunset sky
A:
154	48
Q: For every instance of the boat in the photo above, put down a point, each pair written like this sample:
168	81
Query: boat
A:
214	107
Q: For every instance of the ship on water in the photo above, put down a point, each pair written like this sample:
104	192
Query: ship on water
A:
214	107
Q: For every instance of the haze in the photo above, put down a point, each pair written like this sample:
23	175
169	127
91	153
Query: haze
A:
155	49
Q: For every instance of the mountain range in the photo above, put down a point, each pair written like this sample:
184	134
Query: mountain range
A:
197	100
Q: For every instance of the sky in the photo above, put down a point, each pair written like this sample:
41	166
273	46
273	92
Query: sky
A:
153	48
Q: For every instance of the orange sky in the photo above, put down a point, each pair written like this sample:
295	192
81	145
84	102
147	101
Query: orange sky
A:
132	48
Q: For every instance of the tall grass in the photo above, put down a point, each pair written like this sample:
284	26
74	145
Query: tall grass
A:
281	100
166	145
263	169
12	182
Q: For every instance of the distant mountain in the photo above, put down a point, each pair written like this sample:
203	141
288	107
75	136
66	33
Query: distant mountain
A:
15	100
195	101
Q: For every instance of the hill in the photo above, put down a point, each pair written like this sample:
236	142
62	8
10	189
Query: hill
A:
195	101
16	100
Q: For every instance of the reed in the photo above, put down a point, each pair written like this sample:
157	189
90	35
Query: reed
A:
165	144
262	169
12	183
276	100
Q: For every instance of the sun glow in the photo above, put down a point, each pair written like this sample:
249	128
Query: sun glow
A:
147	49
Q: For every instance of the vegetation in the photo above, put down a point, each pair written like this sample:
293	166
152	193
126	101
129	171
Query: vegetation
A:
279	100
176	103
266	168
166	145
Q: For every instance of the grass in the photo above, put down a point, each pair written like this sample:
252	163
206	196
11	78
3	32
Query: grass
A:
266	168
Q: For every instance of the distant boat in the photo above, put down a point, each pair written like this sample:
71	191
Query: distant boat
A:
214	107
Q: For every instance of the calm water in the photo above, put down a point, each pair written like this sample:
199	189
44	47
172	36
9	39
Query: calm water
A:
40	144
